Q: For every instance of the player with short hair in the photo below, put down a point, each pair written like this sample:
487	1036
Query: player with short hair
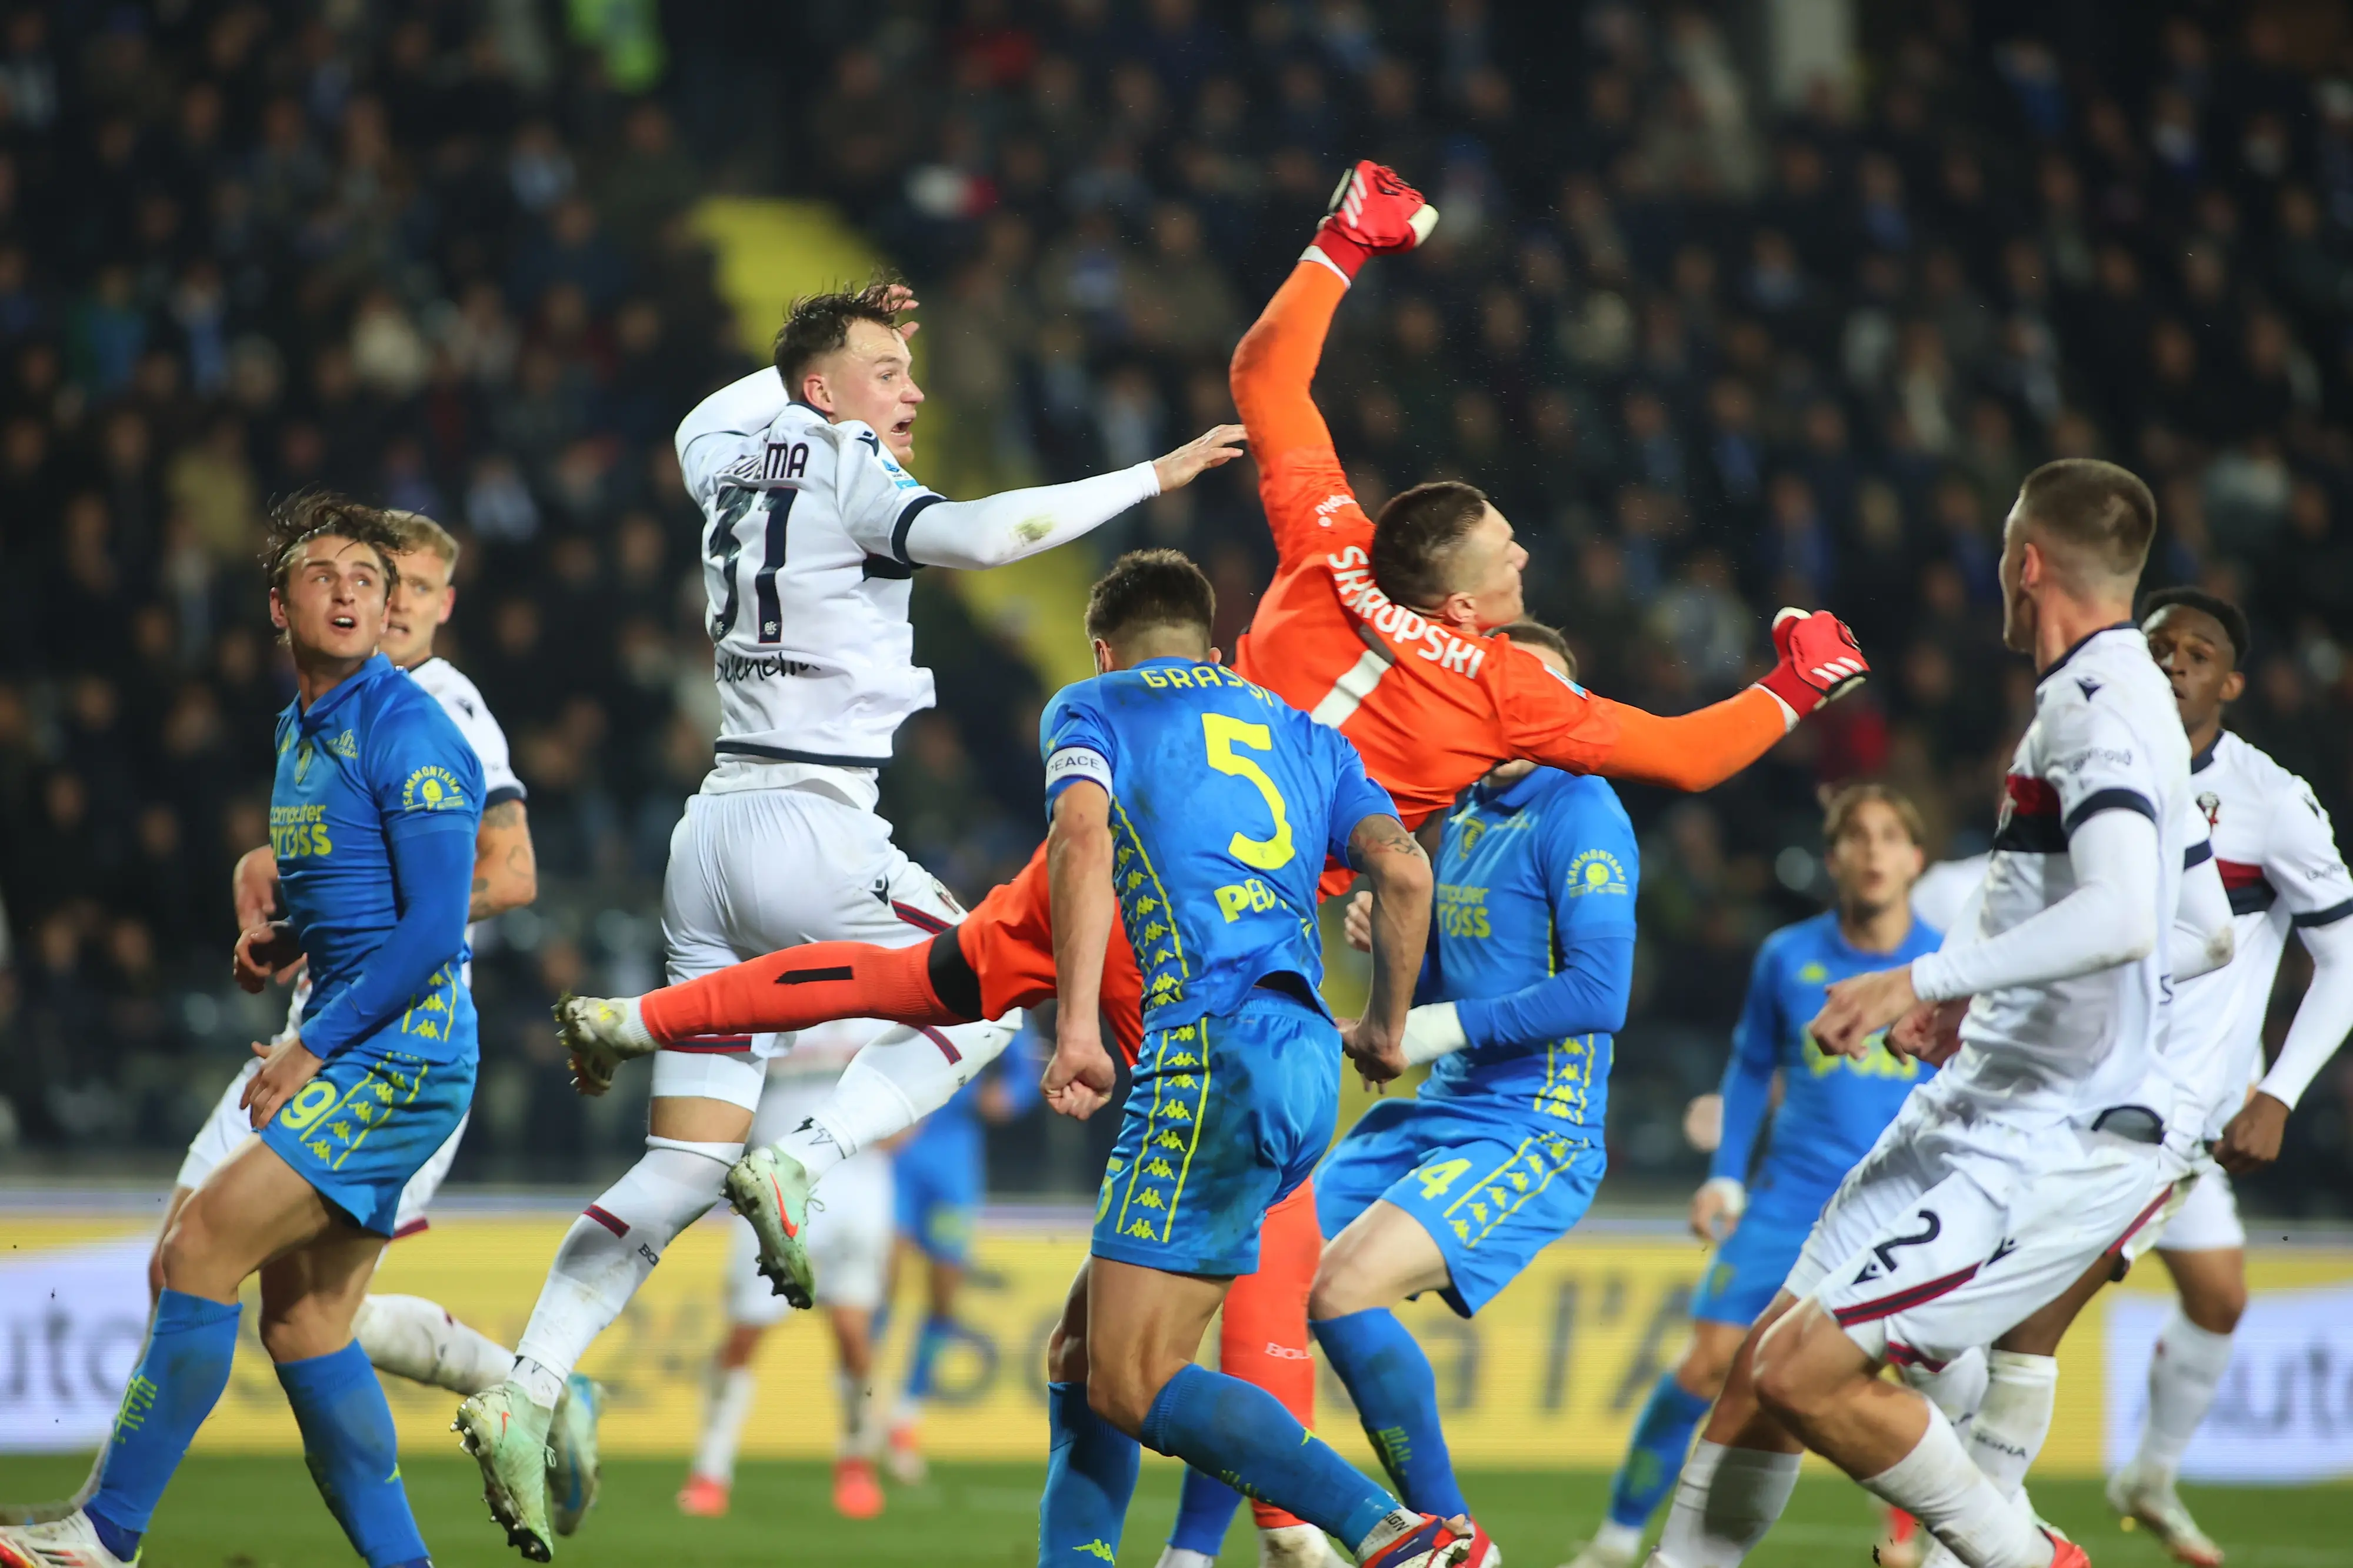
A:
373	814
1197	809
2278	857
1832	1108
815	530
1381	627
2035	1153
407	1335
851	1237
1428	699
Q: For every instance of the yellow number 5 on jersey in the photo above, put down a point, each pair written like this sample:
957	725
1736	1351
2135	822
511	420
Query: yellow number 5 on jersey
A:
1222	732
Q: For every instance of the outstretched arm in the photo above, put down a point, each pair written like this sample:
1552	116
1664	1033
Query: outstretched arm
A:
1816	661
996	531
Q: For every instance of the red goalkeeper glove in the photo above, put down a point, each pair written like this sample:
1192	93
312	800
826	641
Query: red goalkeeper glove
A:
1373	212
1819	660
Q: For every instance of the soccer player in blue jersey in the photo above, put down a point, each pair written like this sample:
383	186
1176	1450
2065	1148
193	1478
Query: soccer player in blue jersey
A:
1198	809
1833	1109
940	1177
373	816
1456	1189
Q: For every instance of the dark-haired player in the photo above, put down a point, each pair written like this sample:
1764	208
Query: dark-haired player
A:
1381	628
815	531
1197	809
372	816
2008	1178
2279	860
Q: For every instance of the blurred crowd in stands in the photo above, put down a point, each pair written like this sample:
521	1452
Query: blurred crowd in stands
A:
1712	352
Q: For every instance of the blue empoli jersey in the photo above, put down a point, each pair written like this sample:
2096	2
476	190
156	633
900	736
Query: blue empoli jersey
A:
1525	875
1224	801
372	762
1832	1108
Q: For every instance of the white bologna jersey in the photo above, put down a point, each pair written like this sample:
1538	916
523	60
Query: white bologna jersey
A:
462	700
2105	736
805	569
2280	863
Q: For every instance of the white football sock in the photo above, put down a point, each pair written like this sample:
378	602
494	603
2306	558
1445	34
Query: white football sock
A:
1952	1498
898	1078
608	1252
1725	1500
1394	1523
411	1337
1956	1389
1621	1540
727	1404
2014	1417
1177	1557
2184	1371
861	1433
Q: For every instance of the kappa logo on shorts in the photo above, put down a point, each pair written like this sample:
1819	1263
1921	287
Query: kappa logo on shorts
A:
1883	1255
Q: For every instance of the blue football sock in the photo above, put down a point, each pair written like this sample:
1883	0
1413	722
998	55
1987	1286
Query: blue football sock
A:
929	1340
178	1381
1089	1475
347	1440
1205	1508
1655	1455
1242	1435
1387	1375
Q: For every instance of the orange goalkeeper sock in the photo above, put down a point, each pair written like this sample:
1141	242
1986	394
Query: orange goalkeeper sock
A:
1263	1336
799	988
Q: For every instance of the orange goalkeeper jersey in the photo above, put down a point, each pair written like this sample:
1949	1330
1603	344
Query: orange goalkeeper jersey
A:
1431	708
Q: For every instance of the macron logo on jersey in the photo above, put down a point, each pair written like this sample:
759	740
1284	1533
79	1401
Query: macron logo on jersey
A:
1352	576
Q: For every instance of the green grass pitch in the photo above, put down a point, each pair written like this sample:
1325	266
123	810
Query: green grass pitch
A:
261	1512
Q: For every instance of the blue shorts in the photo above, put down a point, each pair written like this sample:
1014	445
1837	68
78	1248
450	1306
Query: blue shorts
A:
938	1181
1226	1116
1740	1280
1492	1188
361	1129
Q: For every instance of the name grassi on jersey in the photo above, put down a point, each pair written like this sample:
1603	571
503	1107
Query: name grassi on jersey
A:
1352	575
735	669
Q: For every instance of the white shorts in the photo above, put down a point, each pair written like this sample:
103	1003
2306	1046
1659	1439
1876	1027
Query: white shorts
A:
226	1129
2207	1219
849	1224
1955	1228
752	871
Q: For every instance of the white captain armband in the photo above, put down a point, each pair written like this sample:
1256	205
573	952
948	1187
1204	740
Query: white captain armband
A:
1070	764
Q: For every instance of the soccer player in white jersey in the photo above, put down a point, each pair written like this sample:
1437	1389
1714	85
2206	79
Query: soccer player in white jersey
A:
2035	1149
851	1237
815	529
2278	858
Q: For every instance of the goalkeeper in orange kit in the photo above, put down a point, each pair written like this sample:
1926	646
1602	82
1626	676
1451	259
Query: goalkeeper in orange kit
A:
1378	629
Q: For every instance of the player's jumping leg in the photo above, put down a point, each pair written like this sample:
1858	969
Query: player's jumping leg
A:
602	1260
